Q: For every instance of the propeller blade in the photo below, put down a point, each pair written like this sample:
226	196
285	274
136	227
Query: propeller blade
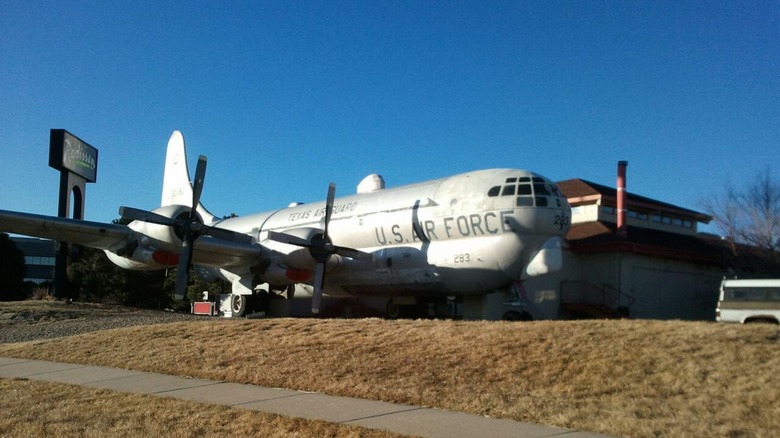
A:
353	253
319	283
288	239
197	183
221	233
135	214
329	207
183	271
319	271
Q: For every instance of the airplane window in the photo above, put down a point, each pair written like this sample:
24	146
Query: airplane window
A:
541	201
538	179
524	179
511	180
525	201
540	189
494	191
524	189
508	190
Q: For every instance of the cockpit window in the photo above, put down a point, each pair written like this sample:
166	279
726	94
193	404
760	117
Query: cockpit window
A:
530	191
541	189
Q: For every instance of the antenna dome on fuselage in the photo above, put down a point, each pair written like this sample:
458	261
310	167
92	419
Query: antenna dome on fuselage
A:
371	183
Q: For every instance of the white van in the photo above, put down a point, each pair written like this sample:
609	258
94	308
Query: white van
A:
749	301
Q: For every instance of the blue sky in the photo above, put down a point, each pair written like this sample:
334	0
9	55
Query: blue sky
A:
284	97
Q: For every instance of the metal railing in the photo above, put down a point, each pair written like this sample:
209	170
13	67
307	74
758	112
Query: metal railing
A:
583	292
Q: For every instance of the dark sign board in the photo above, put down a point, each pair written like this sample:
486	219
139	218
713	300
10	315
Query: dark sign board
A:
66	151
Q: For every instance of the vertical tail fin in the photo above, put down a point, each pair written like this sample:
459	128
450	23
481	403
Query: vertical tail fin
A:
177	188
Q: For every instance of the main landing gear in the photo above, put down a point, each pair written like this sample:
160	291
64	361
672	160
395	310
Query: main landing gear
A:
238	305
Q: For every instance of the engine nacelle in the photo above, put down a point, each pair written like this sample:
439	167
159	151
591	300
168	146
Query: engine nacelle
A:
160	245
144	259
163	237
283	275
299	258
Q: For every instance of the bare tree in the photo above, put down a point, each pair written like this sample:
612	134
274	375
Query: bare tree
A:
725	212
750	217
762	201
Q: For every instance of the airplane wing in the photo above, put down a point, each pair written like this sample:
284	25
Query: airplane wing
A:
92	234
213	251
113	237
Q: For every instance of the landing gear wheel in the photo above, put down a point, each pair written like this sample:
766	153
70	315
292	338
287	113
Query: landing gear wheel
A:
392	310
238	305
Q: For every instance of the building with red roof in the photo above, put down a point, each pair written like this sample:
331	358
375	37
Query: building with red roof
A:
635	256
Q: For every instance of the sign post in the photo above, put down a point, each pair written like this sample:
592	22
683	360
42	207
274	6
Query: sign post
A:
77	162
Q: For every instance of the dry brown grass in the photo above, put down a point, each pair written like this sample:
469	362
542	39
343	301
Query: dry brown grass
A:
628	378
41	409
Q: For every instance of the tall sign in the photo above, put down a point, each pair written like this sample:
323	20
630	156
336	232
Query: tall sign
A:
69	153
77	162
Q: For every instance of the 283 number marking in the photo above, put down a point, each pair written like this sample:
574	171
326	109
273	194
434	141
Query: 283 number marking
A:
462	258
562	221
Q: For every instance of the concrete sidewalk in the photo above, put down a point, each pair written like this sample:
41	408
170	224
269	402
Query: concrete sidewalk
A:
411	420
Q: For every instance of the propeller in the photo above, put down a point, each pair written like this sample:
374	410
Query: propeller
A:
321	248
191	231
189	226
136	214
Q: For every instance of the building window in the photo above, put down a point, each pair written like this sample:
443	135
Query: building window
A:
39	261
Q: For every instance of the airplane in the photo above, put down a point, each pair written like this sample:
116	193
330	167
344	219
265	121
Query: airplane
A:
470	234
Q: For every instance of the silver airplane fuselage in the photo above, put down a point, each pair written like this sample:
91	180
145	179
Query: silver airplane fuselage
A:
471	233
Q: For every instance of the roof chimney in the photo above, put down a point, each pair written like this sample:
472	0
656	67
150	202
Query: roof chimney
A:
622	226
